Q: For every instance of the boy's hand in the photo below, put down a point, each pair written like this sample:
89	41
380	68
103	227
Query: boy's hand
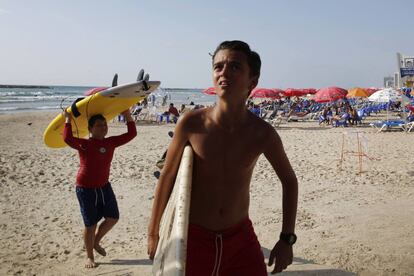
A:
127	115
152	245
66	115
281	255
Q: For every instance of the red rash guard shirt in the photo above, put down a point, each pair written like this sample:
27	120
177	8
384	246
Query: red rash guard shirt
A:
96	155
174	111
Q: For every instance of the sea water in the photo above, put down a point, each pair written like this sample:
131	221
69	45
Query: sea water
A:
54	97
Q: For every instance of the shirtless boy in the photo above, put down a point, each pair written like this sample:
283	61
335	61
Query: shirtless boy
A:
227	140
95	195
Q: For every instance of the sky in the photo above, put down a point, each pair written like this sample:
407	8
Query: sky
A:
302	43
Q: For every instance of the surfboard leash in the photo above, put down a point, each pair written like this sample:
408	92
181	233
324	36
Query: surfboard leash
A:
63	110
87	111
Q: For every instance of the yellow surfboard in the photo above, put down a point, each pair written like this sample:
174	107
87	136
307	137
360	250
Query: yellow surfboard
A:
109	103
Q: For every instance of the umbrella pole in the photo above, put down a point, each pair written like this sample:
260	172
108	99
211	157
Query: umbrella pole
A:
359	153
342	151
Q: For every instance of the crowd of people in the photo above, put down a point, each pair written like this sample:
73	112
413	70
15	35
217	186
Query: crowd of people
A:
343	112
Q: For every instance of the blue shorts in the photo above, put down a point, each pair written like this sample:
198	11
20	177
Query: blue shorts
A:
96	203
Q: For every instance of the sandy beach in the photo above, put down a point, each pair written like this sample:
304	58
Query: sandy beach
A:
347	224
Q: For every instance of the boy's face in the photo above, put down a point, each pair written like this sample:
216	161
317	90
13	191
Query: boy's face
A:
231	75
99	129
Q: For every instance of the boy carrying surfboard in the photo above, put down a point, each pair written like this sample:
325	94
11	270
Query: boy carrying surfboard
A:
94	192
227	140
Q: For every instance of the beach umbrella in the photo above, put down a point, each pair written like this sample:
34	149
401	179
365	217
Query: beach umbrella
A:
266	93
311	91
210	91
371	90
385	95
357	92
330	94
293	92
95	90
298	92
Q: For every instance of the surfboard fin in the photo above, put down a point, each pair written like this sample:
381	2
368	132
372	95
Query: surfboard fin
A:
143	78
140	75
115	80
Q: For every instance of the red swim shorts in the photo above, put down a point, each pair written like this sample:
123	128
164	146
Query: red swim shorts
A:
234	251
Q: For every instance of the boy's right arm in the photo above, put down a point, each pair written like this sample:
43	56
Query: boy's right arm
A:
165	184
67	133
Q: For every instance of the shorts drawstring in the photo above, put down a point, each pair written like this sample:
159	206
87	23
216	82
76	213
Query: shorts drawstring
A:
96	196
219	253
103	198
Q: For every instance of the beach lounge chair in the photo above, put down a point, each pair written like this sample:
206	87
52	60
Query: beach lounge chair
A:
300	117
407	127
341	122
386	125
276	121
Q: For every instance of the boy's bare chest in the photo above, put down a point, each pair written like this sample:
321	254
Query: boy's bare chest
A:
226	150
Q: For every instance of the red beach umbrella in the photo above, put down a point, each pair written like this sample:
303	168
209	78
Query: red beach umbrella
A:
95	90
310	90
330	94
266	93
293	92
298	92
210	91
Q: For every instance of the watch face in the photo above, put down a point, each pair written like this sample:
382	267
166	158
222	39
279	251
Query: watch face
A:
288	238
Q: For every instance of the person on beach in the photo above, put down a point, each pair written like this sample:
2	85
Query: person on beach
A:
94	192
172	110
227	141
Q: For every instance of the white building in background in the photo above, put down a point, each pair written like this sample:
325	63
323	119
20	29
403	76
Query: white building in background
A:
405	75
389	82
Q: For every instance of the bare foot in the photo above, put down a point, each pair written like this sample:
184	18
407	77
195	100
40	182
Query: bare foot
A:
100	250
90	263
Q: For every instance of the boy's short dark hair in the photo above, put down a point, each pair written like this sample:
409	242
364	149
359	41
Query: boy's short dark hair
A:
253	58
94	118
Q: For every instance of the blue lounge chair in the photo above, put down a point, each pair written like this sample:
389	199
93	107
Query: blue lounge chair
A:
385	125
341	122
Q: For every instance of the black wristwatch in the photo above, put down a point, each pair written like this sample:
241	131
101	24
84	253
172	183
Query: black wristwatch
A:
289	238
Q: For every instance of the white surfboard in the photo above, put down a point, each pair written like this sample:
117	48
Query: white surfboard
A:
171	253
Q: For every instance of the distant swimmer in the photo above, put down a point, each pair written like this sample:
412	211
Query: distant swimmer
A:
227	140
95	195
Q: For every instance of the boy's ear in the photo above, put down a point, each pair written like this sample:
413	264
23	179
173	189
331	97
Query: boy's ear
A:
255	81
253	84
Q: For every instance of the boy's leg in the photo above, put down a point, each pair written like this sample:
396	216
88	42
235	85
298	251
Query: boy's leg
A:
103	228
89	239
111	215
87	199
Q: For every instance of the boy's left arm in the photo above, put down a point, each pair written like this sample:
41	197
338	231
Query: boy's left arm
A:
282	253
126	137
